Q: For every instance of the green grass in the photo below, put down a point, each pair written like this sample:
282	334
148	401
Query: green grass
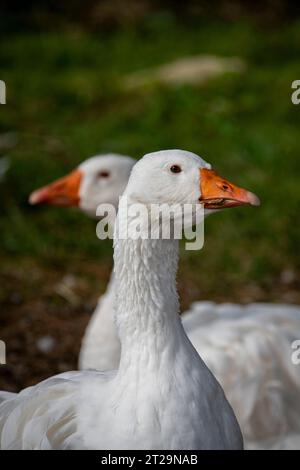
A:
65	103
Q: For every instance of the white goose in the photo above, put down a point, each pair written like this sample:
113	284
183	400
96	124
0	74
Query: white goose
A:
248	348
162	396
99	179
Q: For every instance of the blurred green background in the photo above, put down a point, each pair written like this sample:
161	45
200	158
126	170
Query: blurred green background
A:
65	71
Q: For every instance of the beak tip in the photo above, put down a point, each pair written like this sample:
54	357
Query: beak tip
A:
254	200
39	196
33	198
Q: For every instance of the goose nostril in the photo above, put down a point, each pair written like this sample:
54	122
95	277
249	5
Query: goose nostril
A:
225	187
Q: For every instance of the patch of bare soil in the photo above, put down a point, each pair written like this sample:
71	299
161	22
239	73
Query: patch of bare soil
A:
43	314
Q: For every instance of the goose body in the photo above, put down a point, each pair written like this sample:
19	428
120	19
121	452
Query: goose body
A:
100	346
248	348
162	396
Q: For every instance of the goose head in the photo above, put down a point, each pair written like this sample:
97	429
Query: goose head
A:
100	179
181	177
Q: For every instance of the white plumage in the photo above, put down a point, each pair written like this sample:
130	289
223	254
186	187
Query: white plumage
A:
248	348
100	346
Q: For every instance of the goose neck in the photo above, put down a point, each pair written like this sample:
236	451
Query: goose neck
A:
147	304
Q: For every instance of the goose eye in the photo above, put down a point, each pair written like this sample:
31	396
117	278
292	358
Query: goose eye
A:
103	174
175	169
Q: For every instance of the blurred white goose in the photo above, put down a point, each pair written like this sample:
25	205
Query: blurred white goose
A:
248	348
99	179
162	396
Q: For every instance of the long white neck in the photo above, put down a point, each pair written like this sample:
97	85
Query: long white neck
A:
147	303
147	306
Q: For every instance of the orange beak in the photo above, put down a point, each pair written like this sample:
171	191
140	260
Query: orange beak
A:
218	193
62	192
